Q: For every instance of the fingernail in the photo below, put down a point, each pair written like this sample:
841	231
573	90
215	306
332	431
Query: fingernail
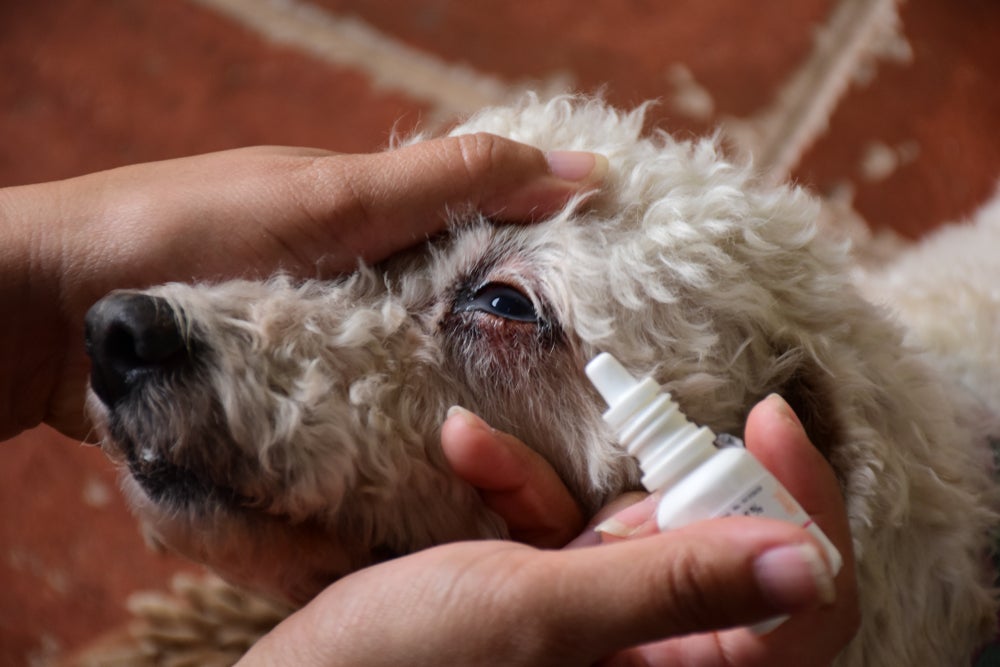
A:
782	407
471	419
614	527
794	577
627	522
577	166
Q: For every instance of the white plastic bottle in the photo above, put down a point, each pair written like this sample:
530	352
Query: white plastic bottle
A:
698	479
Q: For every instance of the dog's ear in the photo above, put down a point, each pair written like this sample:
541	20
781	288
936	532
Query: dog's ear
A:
808	393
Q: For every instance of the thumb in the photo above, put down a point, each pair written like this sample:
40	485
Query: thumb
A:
402	196
708	576
777	439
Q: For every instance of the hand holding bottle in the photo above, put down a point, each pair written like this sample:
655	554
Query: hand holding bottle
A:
696	479
518	484
665	599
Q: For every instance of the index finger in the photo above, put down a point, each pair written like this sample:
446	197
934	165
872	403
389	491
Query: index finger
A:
512	479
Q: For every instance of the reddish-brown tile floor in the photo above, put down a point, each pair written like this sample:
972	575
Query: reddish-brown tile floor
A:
945	105
623	48
90	84
69	551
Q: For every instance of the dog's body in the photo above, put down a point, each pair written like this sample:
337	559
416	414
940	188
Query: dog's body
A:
288	433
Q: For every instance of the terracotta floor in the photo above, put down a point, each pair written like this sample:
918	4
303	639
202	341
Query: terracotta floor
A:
91	84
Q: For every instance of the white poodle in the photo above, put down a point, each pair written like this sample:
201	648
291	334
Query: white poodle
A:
287	433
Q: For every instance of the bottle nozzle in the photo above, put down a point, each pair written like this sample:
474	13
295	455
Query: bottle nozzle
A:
610	378
648	424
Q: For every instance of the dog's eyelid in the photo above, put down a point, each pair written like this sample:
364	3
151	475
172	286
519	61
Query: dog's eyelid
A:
502	281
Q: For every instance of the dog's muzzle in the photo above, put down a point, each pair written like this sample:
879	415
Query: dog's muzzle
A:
132	338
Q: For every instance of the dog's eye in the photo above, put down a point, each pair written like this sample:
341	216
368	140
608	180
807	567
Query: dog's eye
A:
502	301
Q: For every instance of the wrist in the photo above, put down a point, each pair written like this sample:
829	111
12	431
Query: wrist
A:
34	346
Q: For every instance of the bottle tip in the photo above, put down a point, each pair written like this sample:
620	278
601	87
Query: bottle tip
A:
609	377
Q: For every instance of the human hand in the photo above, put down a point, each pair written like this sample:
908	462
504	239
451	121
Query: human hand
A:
519	485
240	213
814	637
637	601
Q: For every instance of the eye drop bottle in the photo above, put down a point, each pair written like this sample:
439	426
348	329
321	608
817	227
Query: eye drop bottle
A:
698	479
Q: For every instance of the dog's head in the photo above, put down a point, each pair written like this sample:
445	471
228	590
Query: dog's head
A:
286	433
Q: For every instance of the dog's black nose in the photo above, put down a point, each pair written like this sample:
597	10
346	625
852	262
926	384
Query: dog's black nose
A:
130	338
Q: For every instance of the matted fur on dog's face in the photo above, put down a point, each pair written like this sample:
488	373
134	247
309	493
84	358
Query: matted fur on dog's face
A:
288	433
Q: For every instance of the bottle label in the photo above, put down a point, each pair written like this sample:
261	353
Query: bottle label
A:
768	498
765	498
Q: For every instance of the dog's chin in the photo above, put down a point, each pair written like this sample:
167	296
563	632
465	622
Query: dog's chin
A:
269	554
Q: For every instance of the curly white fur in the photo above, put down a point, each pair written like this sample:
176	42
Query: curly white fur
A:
319	404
